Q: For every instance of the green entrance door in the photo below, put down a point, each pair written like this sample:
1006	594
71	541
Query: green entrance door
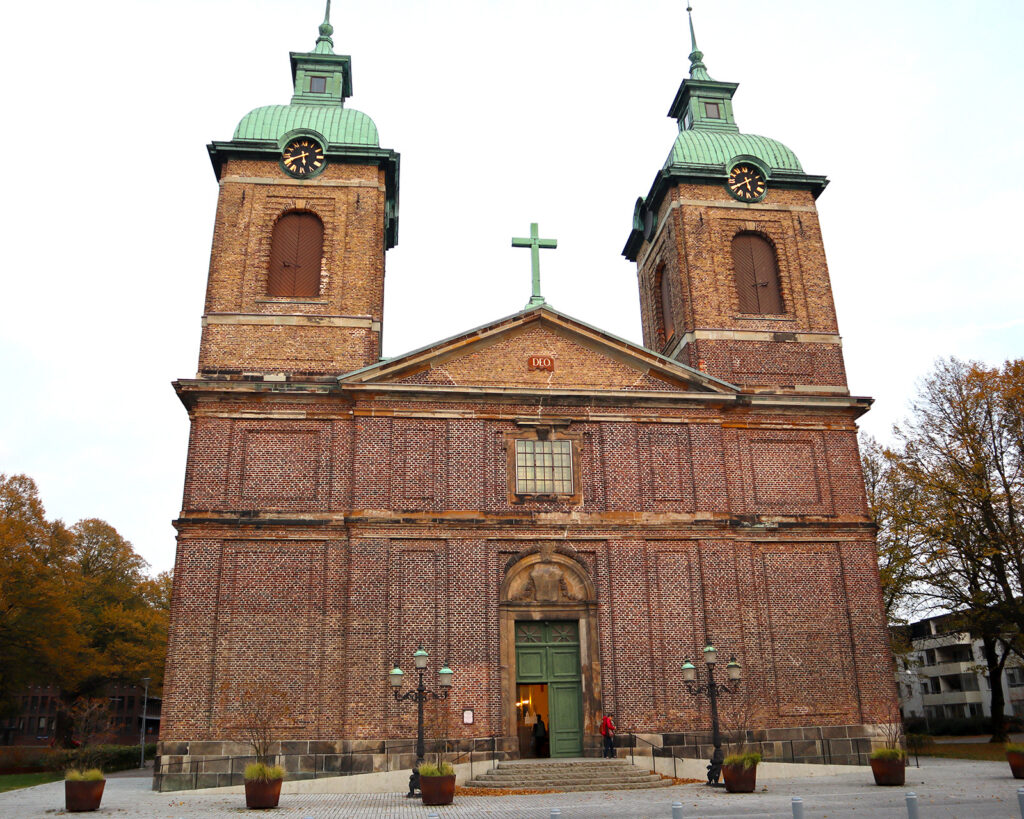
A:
549	652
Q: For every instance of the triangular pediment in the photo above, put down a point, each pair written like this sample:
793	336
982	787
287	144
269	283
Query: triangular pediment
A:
539	349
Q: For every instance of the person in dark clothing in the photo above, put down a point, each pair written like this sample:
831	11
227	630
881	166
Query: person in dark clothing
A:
540	735
608	732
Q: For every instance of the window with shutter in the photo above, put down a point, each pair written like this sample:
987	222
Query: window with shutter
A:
757	275
296	249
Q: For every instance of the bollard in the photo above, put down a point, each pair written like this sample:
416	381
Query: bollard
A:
433	815
911	805
798	808
1020	801
555	813
677	809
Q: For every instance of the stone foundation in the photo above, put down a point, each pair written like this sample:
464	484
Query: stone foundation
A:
214	764
826	745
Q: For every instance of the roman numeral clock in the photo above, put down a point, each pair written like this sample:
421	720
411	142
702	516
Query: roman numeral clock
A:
746	183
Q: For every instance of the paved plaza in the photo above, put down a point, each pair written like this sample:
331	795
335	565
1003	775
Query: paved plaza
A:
945	788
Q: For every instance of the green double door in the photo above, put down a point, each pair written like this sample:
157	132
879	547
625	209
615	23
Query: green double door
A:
548	652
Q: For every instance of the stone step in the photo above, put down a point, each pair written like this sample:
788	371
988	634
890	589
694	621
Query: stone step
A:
525	782
570	775
628	786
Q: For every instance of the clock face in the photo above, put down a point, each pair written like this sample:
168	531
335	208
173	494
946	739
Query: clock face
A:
746	183
303	156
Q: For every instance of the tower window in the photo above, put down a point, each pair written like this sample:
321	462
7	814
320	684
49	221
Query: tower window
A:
757	274
318	85
712	110
296	250
668	324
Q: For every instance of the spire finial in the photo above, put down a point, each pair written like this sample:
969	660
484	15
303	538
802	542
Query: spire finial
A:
324	43
689	13
698	70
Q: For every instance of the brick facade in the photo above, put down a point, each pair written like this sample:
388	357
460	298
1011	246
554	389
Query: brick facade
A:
338	511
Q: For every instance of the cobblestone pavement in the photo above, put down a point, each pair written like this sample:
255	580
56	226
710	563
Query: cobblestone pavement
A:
945	788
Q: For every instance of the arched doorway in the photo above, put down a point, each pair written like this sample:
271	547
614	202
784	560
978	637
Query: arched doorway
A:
549	650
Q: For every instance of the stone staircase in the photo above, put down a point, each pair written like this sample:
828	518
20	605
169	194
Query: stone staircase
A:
569	775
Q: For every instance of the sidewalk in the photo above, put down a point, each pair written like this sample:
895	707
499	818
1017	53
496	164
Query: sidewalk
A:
951	789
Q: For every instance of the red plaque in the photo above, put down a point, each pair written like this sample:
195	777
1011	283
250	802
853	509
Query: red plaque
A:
541	362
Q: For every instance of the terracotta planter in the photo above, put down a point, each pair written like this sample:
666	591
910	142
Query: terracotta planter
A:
437	790
889	771
83	796
1016	760
262	794
739	779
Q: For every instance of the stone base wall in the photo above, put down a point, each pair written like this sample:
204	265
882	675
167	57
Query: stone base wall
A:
215	764
821	745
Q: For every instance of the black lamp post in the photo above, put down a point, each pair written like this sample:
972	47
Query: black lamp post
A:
713	689
420	695
142	730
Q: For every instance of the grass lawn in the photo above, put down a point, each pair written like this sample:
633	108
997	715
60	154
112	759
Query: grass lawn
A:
991	751
11	782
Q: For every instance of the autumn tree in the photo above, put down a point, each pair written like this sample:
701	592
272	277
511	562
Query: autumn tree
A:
900	545
959	459
38	623
77	607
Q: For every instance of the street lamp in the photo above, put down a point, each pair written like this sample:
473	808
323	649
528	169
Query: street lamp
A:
142	730
420	695
713	689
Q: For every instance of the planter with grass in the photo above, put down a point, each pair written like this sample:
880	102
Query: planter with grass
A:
83	790
739	771
437	783
888	766
1015	756
263	785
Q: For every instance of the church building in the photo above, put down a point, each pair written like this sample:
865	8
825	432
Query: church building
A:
561	517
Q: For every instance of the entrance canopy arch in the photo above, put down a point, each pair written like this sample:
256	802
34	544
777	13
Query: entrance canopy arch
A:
544	585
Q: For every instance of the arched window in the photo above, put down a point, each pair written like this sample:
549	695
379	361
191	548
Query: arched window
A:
757	274
664	296
296	249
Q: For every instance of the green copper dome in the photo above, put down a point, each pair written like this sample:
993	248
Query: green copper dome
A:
337	125
709	145
716	149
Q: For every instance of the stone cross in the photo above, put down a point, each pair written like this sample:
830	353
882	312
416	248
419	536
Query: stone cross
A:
535	244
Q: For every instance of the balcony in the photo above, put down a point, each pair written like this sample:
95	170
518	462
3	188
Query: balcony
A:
954	698
942	669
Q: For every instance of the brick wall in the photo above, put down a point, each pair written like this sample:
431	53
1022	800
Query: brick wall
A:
797	348
746	526
339	330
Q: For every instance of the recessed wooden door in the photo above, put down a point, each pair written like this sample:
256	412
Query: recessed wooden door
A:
548	651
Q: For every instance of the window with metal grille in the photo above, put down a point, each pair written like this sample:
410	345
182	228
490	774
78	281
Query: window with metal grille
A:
757	274
296	248
544	467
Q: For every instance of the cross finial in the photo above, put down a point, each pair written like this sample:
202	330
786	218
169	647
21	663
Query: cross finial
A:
535	244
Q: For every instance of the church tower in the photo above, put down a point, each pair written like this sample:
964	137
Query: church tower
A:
731	265
308	206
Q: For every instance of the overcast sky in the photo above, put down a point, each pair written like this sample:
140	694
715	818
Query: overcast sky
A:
505	112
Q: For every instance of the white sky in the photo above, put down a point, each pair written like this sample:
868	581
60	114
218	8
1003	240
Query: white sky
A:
505	112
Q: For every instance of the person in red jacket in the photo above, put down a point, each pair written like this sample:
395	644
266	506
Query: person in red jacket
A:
608	732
